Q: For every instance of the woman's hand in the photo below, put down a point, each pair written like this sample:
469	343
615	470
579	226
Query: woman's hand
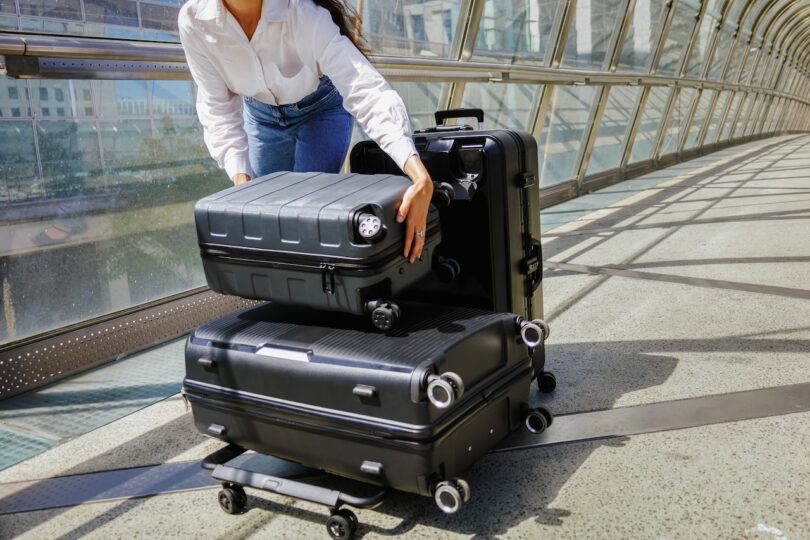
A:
240	178
414	207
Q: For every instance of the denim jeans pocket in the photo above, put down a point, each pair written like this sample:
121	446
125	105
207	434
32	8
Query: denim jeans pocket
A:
316	99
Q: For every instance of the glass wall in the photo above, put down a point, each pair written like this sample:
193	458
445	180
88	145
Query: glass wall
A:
152	20
612	133
97	185
99	176
563	128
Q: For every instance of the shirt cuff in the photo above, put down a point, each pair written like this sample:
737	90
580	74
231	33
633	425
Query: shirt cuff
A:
401	151
237	163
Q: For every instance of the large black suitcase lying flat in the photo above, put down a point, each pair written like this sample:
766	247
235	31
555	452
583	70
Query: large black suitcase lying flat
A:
409	410
327	241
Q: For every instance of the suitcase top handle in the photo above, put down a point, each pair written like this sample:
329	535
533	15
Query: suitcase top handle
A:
478	114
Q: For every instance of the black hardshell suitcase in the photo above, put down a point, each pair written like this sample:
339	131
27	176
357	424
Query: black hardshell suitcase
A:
409	410
490	255
327	241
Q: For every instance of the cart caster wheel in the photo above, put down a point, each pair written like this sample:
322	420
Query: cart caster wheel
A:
232	499
385	316
342	524
538	420
544	325
450	496
546	382
464	488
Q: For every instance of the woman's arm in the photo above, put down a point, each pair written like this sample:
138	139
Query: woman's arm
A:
376	106
219	110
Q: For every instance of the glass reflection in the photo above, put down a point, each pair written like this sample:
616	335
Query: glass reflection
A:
590	32
680	32
699	118
714	124
410	27
506	106
563	129
516	31
97	184
642	36
619	110
650	124
676	126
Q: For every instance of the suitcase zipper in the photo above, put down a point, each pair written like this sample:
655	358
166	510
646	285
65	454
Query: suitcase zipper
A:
292	261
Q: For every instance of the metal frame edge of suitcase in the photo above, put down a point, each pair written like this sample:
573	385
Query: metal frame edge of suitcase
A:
449	495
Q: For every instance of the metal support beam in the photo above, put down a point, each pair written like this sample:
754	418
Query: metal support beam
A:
463	47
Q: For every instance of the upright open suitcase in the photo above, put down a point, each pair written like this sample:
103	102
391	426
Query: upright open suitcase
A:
326	241
490	257
409	410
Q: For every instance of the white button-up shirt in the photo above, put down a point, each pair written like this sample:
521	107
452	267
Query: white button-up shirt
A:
294	44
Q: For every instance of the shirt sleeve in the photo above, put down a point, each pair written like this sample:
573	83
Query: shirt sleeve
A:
219	109
366	94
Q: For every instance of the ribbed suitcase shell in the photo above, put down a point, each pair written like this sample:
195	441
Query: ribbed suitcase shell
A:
293	238
281	380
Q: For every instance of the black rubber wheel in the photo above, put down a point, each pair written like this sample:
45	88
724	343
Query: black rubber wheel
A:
536	421
348	514
546	382
232	500
339	526
547	415
385	317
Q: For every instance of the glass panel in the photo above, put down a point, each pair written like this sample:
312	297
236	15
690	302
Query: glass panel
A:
680	32
642	36
650	124
680	110
732	112
714	124
737	56
19	176
590	33
410	28
65	9
721	53
744	108
563	129
697	57
111	12
126	19
761	68
753	115
8	22
516	31
766	110
159	16
506	106
95	200
699	118
619	110
770	119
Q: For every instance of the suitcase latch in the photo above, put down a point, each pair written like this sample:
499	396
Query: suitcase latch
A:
328	278
532	265
526	179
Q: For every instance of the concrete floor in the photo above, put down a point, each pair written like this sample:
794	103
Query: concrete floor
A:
689	282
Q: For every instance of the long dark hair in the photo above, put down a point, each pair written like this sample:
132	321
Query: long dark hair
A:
348	21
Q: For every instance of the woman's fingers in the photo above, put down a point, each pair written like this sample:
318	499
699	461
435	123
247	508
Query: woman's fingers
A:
405	207
410	232
418	246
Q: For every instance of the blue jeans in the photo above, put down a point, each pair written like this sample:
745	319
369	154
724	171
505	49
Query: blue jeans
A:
312	135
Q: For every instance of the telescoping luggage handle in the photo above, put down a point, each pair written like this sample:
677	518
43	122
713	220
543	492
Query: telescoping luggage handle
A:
478	114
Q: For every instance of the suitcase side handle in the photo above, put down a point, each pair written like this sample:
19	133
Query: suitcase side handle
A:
478	114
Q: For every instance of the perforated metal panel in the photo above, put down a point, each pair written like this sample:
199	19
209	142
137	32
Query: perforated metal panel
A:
49	359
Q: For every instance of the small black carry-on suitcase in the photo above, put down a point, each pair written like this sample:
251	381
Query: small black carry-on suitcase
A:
326	241
490	257
408	410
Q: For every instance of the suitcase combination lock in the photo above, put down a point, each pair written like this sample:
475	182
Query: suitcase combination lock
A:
443	390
